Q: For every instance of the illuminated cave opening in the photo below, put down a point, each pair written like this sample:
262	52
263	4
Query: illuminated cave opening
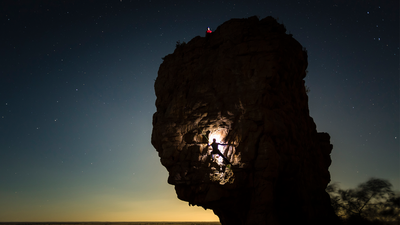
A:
220	171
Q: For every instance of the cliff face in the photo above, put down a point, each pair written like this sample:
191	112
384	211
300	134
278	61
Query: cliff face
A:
243	85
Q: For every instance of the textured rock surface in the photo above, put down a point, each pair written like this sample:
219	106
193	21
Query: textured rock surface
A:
243	85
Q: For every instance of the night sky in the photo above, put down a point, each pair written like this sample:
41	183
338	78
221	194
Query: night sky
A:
77	98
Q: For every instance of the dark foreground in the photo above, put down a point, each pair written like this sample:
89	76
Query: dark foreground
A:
110	223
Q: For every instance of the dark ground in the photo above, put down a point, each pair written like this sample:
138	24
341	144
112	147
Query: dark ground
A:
110	223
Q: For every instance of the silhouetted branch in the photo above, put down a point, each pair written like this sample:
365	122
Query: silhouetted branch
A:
370	201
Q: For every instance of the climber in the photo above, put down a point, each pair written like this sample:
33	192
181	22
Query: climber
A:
215	150
208	32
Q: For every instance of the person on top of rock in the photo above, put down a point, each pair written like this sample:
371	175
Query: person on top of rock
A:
215	150
208	32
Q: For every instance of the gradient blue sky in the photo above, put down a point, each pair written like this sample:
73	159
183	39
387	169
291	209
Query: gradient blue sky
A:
77	98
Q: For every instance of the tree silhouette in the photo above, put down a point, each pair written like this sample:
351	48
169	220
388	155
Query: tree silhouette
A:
373	200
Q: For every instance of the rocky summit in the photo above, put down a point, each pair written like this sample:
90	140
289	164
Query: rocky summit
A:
243	86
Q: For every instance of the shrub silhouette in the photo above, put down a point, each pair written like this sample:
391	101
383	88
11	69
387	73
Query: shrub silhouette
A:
371	202
179	44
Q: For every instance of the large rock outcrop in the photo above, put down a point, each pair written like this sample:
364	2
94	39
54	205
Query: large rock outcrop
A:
243	85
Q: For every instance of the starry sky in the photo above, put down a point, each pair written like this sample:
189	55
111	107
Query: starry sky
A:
77	98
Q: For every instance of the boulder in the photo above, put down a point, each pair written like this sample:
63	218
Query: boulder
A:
243	85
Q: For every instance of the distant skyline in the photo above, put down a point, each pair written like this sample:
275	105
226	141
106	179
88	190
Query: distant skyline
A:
77	99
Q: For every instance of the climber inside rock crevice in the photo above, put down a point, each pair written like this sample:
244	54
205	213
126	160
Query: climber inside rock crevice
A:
220	166
215	150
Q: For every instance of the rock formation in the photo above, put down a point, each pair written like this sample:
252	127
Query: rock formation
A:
243	85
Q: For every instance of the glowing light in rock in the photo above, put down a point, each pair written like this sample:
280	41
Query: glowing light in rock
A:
222	177
219	159
215	135
221	173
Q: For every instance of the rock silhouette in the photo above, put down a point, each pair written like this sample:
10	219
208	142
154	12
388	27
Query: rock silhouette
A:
243	85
